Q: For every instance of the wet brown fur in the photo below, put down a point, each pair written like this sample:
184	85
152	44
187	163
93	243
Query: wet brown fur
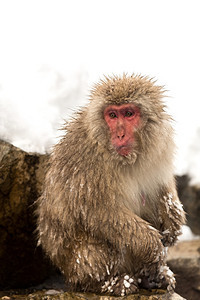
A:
102	215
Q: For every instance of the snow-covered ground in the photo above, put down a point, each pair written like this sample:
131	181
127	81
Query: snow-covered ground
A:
53	51
187	234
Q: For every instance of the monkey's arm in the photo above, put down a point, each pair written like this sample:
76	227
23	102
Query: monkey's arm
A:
125	230
171	215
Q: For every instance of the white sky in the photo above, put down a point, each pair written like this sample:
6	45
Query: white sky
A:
52	51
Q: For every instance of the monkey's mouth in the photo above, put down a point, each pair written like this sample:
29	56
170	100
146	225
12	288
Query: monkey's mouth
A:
123	150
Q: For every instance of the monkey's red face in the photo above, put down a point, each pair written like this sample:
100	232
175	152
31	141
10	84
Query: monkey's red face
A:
122	121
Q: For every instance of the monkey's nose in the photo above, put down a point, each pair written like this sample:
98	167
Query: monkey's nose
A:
120	131
120	136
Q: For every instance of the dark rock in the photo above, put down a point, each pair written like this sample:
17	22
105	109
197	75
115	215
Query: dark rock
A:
184	261
190	197
21	178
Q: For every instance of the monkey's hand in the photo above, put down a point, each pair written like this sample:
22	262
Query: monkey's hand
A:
157	276
172	217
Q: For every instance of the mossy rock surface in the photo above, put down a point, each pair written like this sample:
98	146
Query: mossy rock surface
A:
55	295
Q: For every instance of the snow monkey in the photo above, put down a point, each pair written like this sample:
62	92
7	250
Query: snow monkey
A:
109	208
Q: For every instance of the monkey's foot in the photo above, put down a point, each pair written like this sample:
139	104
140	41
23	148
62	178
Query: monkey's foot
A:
120	286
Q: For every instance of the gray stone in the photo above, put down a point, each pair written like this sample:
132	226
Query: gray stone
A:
184	261
190	197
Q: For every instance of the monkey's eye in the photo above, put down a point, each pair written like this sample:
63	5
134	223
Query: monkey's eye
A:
112	115
129	113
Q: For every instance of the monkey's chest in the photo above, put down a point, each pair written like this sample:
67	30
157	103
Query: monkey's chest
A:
136	192
133	199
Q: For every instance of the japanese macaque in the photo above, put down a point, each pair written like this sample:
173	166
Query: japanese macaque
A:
109	208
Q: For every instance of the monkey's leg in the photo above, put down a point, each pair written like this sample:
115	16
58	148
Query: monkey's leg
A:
96	267
138	243
155	274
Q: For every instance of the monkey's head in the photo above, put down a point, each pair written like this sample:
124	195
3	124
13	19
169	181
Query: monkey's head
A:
126	116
